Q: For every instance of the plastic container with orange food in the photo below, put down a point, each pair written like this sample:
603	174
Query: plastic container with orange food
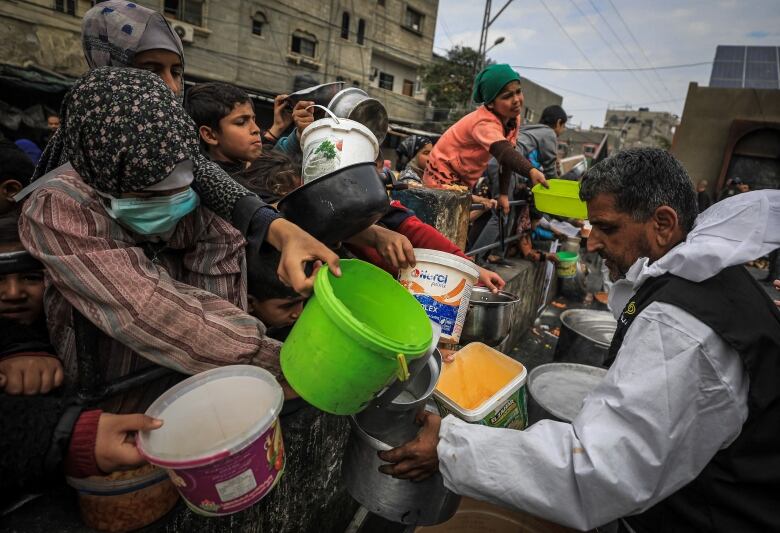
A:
483	386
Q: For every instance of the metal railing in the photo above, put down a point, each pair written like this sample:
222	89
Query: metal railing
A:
502	240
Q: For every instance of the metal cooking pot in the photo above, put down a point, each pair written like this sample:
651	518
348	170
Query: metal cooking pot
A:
489	318
423	503
338	205
355	104
585	336
577	171
382	419
319	94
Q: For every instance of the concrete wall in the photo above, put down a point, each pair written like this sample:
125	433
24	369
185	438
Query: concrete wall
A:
536	99
635	128
702	136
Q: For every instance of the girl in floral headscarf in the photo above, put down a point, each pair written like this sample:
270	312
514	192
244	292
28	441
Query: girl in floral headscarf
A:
413	155
125	34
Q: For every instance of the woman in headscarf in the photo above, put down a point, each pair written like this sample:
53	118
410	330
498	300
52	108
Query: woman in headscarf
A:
461	156
413	153
126	244
125	34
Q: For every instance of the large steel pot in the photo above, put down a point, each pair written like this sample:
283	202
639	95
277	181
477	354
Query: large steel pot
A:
338	205
489	318
423	503
585	336
355	104
381	419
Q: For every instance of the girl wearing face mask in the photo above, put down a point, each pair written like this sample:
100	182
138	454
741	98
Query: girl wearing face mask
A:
461	156
124	34
126	243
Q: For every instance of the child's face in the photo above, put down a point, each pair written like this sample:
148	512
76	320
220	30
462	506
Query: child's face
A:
21	294
423	154
53	122
277	312
509	102
238	138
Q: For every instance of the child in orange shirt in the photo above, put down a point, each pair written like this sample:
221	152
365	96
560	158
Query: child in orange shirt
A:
461	155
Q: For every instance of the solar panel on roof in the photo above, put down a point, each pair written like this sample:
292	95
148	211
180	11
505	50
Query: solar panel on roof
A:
746	66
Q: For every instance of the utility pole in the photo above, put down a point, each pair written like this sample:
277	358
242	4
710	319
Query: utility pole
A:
487	21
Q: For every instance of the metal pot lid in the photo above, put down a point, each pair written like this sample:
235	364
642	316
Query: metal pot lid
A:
483	296
596	326
560	388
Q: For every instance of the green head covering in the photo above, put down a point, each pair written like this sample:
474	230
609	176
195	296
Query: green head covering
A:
491	80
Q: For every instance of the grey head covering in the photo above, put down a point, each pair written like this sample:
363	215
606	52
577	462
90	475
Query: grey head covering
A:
113	32
124	130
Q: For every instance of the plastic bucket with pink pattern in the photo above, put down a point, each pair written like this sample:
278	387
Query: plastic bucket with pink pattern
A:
220	441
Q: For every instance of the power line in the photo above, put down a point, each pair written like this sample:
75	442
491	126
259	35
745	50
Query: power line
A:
650	81
573	42
594	69
628	28
612	49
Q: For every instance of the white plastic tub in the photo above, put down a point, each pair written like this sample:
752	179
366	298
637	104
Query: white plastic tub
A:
221	441
442	284
506	408
332	143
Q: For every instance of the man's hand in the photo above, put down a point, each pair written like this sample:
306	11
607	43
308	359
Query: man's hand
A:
282	116
489	203
115	443
538	177
302	116
30	374
503	203
394	248
298	248
491	280
776	284
418	459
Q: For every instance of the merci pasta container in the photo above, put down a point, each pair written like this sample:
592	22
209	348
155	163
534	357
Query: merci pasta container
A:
442	284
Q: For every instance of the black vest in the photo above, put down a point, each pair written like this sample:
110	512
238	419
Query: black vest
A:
739	489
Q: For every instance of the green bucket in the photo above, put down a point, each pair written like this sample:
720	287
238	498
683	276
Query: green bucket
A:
567	264
354	337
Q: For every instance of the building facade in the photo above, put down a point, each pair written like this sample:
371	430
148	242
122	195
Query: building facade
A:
268	47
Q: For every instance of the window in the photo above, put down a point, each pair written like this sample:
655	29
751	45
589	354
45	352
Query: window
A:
386	81
258	21
304	45
66	6
185	10
361	33
408	89
413	20
345	25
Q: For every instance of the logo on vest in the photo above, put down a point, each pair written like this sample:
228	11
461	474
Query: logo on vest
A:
631	308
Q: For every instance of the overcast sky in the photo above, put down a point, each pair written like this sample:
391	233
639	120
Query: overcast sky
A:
669	33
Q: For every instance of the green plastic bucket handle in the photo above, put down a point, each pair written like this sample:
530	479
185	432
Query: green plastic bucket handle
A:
403	368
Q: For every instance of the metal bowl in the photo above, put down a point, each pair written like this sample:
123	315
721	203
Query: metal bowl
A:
338	205
560	388
355	104
585	336
489	318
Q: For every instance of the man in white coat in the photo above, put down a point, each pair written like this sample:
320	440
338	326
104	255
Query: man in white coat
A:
683	434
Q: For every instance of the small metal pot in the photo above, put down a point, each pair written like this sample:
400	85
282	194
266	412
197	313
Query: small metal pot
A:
489	318
585	336
382	419
423	503
355	104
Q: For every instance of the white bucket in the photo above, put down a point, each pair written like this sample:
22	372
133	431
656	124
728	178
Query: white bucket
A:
442	284
332	143
220	441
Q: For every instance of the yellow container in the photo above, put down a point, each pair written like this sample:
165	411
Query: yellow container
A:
483	386
561	199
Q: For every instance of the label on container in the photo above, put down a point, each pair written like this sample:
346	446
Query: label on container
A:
444	294
511	414
322	157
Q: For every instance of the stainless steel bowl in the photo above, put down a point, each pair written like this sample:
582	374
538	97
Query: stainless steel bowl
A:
585	336
489	318
355	104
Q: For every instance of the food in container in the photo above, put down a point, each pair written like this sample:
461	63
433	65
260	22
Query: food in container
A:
484	386
567	264
125	500
221	441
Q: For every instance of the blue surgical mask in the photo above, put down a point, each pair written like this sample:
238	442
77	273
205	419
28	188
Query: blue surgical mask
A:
153	216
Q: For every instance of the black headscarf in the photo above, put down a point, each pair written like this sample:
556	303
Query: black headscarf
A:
409	148
124	130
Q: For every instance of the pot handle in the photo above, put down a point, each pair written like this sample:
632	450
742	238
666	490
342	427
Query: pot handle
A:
328	111
403	368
